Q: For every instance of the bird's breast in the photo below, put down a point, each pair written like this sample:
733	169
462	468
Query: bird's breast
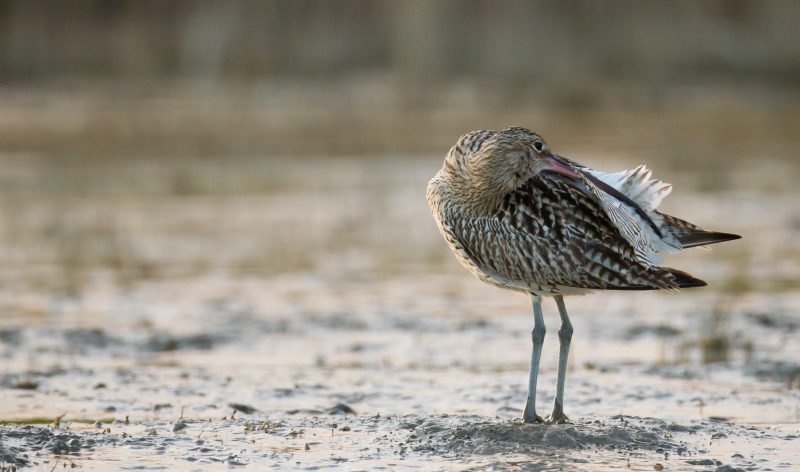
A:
492	250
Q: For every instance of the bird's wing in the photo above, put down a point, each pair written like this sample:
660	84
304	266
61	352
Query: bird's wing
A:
637	184
629	199
691	235
641	195
577	242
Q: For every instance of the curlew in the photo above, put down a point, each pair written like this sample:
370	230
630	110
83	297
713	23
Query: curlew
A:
520	217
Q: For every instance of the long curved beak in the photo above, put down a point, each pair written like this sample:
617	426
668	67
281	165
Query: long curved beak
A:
554	164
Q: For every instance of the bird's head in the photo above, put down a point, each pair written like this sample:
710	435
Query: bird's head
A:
495	163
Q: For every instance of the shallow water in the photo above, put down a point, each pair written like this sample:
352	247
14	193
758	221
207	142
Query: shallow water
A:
328	304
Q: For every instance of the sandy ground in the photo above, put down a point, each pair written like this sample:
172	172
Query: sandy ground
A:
323	325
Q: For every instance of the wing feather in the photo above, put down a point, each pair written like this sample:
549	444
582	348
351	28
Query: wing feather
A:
637	184
576	243
631	198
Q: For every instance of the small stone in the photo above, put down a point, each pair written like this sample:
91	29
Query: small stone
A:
246	409
701	462
26	384
728	468
341	409
74	444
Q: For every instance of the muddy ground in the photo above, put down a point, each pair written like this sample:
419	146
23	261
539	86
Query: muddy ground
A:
402	380
304	313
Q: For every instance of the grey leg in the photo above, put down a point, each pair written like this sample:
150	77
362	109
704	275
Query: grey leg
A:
537	335
564	337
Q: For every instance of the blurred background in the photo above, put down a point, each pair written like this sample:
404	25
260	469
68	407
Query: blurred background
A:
207	202
143	138
186	174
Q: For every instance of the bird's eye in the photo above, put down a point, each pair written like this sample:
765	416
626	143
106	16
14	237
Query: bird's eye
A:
538	145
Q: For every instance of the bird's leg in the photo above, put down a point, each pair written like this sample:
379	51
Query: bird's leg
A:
537	335
564	337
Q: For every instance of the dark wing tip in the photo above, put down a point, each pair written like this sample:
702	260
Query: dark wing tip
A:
701	238
680	279
719	237
684	280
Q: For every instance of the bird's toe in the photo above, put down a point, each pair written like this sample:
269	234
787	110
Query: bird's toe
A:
557	416
557	419
529	416
535	419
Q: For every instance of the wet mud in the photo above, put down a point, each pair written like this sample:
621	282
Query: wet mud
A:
350	339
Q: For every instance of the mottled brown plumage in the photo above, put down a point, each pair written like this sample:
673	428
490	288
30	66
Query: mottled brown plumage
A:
515	223
520	217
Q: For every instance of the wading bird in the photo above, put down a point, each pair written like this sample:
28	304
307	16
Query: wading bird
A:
520	217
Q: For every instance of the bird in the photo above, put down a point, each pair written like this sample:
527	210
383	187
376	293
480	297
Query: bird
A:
520	217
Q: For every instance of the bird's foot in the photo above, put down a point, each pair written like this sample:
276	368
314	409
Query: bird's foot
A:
535	419
529	416
557	416
557	419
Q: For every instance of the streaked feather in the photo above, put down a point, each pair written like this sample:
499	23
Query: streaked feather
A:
553	234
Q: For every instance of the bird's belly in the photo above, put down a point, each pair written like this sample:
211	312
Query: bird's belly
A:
527	286
495	272
511	264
